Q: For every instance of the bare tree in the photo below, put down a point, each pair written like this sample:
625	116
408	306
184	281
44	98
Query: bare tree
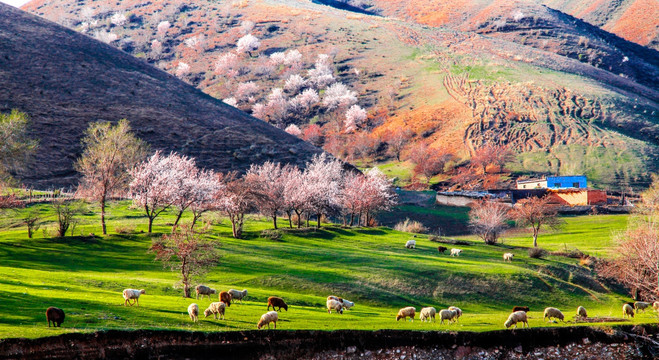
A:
396	141
489	220
491	155
535	212
15	144
110	152
66	213
186	252
428	161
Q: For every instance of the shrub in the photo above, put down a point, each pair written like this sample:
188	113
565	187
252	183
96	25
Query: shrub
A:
537	253
434	238
586	261
271	234
412	226
124	230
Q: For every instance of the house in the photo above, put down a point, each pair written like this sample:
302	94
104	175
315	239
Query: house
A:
532	184
567	182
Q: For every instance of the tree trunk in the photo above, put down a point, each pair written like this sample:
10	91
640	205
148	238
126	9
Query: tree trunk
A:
274	221
352	218
535	236
290	221
318	217
105	230
299	218
178	218
29	232
150	224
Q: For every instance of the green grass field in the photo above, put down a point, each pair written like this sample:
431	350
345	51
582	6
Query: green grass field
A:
85	277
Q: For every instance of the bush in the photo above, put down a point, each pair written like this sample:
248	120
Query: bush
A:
271	234
434	238
125	230
411	226
537	253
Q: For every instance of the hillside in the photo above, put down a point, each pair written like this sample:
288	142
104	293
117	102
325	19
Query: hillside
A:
85	276
565	96
65	80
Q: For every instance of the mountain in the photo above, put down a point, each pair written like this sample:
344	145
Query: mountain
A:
65	80
565	95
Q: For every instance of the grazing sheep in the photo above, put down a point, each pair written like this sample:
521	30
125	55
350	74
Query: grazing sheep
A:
449	315
56	315
427	313
552	312
333	297
655	306
406	312
132	294
441	249
641	305
204	290
277	302
347	304
516	317
334	305
215	308
627	310
193	311
225	297
237	295
410	244
520	308
267	318
458	312
456	252
508	257
581	312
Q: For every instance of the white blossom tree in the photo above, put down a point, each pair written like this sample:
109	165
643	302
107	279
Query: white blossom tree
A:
293	130
355	116
182	70
295	83
338	95
162	28
247	44
118	19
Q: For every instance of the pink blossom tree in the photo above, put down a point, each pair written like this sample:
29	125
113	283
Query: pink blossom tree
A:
293	130
296	194
163	26
194	188
235	200
268	186
323	177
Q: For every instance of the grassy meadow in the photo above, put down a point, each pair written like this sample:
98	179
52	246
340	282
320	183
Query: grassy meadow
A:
85	275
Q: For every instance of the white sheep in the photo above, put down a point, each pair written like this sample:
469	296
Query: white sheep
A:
238	295
347	304
552	312
410	244
427	313
641	305
458	312
449	315
456	252
334	305
204	290
516	317
655	306
508	257
406	312
193	311
216	308
581	312
132	294
627	310
333	297
267	318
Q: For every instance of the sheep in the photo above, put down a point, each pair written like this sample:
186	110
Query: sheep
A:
56	315
449	315
581	312
508	257
552	312
627	310
347	304
410	244
406	312
132	294
267	318
277	302
520	308
333	297
193	311
516	317
655	306
641	305
225	297
441	249
427	313
237	295
456	252
204	290
458	312
334	305
215	308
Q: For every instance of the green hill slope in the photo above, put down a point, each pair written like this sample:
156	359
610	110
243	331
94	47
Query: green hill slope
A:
85	277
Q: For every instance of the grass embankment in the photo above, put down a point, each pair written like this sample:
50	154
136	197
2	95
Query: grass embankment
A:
85	277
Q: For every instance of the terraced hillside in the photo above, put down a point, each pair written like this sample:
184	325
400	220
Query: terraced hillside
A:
85	276
65	80
567	96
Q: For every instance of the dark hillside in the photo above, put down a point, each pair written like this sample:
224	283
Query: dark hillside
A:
65	80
